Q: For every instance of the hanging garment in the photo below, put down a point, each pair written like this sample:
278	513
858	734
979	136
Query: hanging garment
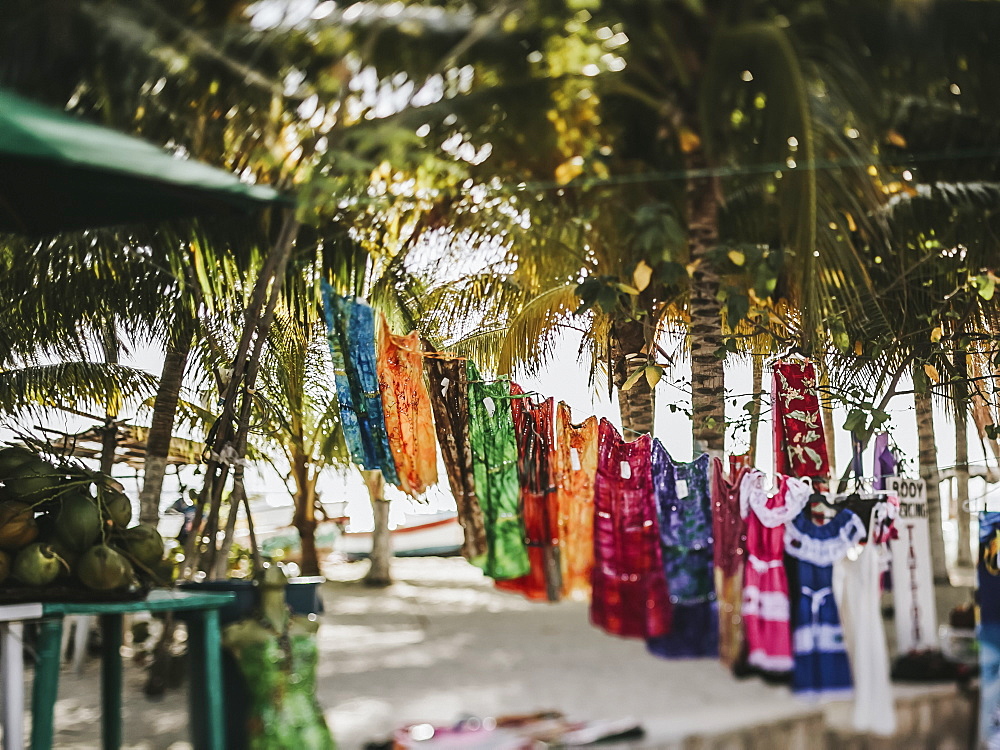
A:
856	590
766	619
821	666
407	408
533	427
630	596
575	467
351	328
449	394
885	460
988	578
685	519
494	452
729	534
799	441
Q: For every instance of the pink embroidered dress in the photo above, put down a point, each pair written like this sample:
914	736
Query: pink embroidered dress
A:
630	596
765	607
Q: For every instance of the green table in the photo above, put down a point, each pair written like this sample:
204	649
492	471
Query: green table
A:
208	727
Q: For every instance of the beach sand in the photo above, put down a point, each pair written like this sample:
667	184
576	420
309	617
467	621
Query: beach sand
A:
441	643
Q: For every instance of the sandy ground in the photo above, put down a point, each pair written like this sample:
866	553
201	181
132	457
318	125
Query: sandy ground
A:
442	643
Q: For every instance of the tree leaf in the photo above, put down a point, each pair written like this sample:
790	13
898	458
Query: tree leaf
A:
653	375
642	275
932	373
936	334
632	379
737	257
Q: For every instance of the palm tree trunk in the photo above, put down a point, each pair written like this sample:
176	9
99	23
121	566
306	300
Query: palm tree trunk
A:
826	413
305	518
964	558
708	397
109	434
162	429
929	473
637	404
379	570
757	387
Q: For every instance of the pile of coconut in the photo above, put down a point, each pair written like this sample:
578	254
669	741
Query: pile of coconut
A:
62	525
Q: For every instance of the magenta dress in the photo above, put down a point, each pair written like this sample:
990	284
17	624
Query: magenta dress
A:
630	596
765	607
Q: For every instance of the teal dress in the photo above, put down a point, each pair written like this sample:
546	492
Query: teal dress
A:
281	681
494	463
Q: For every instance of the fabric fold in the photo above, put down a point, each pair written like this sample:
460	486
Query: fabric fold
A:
729	532
407	409
449	396
575	467
351	330
821	666
494	453
533	427
630	596
685	521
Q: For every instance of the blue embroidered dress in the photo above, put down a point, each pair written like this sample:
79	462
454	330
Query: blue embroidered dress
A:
351	328
684	506
821	667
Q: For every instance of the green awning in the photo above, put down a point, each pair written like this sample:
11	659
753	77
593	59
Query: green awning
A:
59	173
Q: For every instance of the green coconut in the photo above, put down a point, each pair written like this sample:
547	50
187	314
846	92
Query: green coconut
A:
78	524
17	525
13	457
34	480
37	565
117	506
144	543
69	556
102	569
4	566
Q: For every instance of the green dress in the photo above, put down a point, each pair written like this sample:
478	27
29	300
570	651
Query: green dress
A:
494	452
281	681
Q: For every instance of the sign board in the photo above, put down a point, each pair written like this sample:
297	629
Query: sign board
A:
912	573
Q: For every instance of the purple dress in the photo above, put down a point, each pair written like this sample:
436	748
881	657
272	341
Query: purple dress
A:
684	507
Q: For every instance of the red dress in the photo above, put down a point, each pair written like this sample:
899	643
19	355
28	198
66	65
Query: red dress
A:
729	531
630	596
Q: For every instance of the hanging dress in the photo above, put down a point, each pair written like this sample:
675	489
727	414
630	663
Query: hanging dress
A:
729	534
630	596
494	454
857	591
766	616
533	427
988	632
280	678
821	666
449	394
407	409
685	520
799	438
575	467
351	329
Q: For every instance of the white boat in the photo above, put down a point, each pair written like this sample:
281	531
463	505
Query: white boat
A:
420	535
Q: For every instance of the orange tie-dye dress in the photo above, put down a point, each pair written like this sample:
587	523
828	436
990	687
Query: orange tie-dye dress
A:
407	407
575	466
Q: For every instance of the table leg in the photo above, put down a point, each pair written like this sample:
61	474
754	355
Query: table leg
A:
208	724
12	684
46	684
111	681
